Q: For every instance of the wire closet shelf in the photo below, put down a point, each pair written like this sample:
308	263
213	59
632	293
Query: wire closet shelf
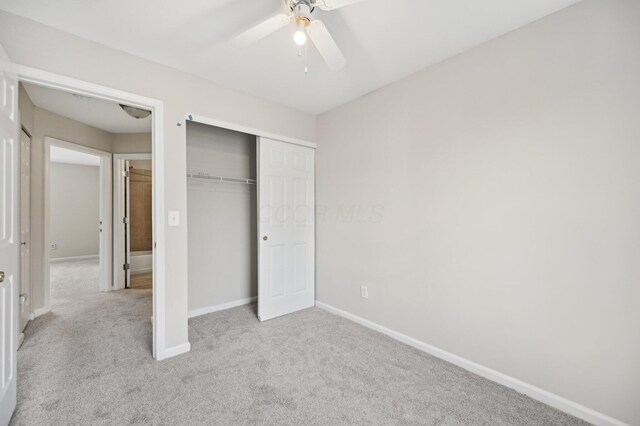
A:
221	179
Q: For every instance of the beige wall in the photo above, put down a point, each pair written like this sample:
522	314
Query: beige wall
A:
32	44
141	164
127	143
499	201
75	210
222	269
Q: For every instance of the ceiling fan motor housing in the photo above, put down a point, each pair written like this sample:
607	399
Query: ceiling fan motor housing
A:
302	9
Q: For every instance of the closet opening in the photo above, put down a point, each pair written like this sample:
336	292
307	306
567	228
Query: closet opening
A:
222	218
251	215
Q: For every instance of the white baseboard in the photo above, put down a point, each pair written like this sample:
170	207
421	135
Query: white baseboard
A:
141	271
41	311
534	392
176	350
141	262
221	307
64	259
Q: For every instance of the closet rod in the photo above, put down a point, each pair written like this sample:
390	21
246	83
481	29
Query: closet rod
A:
206	176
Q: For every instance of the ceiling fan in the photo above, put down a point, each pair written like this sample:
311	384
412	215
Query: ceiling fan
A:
301	11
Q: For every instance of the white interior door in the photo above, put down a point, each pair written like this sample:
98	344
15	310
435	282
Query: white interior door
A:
286	228
25	231
127	224
9	236
118	224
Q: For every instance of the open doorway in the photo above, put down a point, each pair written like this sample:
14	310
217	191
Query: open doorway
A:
133	221
14	114
74	140
125	143
77	211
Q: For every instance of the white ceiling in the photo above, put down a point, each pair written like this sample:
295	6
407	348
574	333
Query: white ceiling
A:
383	40
104	115
67	156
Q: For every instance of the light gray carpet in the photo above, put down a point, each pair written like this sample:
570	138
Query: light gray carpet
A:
89	362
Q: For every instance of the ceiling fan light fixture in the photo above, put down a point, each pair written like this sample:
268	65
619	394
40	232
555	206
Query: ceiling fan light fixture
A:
307	30
134	112
300	36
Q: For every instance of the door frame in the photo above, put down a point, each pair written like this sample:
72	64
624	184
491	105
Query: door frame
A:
28	225
118	258
106	240
72	85
248	130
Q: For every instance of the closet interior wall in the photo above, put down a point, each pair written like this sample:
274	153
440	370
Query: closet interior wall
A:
222	224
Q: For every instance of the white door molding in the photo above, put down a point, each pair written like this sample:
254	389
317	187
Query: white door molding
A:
248	130
26	311
67	84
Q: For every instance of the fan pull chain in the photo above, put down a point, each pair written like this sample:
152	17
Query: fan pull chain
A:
306	63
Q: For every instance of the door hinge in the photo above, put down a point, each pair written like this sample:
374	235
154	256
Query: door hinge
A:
125	220
126	266
125	173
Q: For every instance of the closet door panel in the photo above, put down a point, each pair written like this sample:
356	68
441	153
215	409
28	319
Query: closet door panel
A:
277	269
300	267
286	208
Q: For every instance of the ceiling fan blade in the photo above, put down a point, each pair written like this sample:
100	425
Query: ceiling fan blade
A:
261	30
326	45
335	4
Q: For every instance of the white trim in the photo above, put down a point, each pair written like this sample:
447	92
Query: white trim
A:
64	259
177	350
159	241
118	255
534	392
39	312
141	271
249	130
141	253
30	257
221	307
60	82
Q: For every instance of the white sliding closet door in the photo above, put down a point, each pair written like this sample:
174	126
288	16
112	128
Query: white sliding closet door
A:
286	228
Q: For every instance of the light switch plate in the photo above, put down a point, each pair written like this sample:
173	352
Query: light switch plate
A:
364	292
174	219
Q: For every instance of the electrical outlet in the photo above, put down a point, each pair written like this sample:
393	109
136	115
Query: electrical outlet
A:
364	292
54	246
